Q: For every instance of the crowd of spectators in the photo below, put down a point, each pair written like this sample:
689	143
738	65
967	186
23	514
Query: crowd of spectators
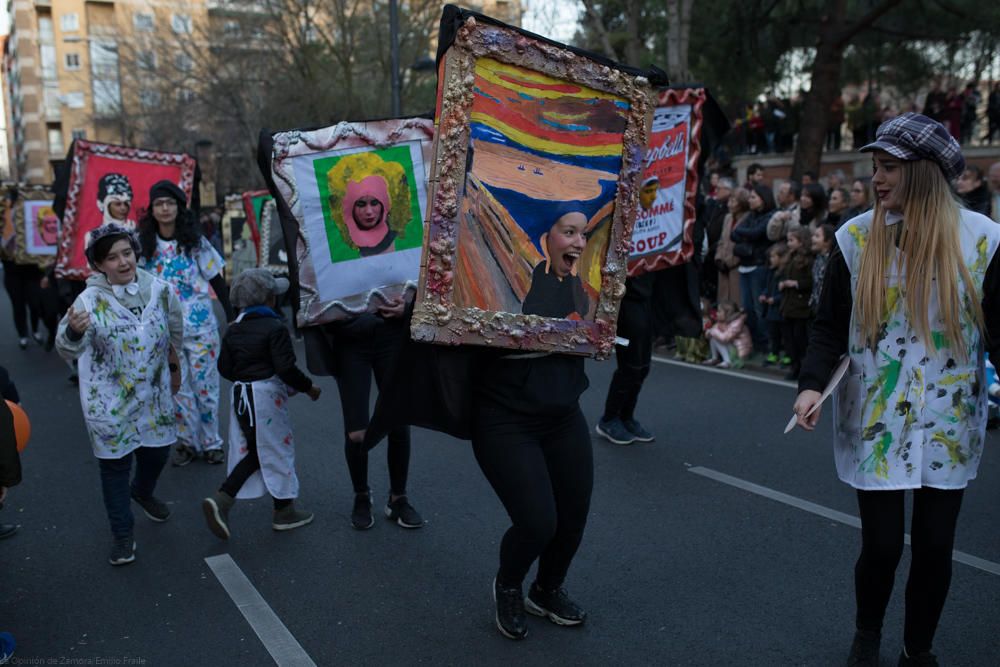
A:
763	255
771	125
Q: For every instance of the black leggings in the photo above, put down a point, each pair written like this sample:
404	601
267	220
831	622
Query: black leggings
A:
635	322
542	469
357	360
932	535
795	336
23	285
251	462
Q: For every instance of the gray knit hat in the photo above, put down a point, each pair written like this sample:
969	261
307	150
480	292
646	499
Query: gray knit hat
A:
254	286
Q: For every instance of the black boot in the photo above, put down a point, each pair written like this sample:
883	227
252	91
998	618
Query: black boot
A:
924	659
864	649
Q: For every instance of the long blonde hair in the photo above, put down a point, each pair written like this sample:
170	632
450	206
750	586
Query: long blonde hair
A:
929	250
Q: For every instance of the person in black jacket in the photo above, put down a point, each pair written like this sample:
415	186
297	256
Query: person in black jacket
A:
10	461
257	356
971	187
751	244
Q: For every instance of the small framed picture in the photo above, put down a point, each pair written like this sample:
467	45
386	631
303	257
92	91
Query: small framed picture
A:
111	183
353	196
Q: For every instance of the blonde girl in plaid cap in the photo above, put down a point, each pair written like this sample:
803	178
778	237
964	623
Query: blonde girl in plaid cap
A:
911	296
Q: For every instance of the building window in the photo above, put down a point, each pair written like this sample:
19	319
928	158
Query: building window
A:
79	133
181	24
149	98
185	96
231	29
45	32
69	22
74	100
48	61
146	60
56	142
183	62
143	22
72	61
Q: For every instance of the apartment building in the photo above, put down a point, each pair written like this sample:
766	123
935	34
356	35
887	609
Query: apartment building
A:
74	68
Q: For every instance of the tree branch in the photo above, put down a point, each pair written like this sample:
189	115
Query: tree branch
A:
866	21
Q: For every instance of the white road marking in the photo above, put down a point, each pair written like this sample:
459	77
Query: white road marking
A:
826	512
278	641
725	371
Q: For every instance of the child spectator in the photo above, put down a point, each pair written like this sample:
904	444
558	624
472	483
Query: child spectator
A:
777	256
257	357
796	286
120	328
822	245
729	336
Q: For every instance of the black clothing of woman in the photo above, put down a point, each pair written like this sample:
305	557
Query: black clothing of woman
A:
551	296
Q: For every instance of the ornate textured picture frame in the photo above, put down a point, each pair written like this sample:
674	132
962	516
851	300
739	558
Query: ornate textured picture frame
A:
330	181
273	253
253	204
533	137
36	227
663	235
91	161
239	243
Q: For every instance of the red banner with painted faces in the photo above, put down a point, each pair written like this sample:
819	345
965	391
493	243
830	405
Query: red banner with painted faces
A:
663	231
111	183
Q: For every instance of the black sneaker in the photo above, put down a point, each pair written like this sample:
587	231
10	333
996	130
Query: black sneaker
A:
154	508
122	551
215	456
361	515
402	512
637	431
8	529
864	649
510	618
925	659
555	605
182	455
615	431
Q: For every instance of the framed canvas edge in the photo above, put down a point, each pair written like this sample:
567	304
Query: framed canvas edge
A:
83	149
654	262
268	216
248	198
21	254
227	232
312	310
436	318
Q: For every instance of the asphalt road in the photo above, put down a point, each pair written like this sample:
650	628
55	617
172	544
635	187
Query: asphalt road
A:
676	568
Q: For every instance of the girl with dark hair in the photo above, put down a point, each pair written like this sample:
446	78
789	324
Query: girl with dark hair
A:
174	249
796	286
911	297
812	205
751	247
822	242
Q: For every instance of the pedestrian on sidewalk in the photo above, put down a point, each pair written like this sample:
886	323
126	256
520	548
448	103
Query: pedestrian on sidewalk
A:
10	459
911	295
121	329
174	249
257	357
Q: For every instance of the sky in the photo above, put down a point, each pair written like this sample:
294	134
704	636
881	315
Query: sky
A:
555	19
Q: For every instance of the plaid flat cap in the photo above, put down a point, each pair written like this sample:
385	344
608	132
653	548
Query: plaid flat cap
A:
913	136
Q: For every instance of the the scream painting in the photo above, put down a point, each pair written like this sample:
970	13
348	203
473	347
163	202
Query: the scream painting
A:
535	183
542	151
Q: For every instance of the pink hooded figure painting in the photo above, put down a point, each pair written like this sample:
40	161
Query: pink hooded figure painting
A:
369	202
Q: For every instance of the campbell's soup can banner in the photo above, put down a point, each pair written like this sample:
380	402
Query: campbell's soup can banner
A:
659	224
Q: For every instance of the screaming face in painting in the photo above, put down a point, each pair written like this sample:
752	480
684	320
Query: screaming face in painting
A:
556	290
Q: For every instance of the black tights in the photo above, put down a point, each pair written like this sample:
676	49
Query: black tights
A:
358	358
251	462
635	322
23	285
932	535
542	469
